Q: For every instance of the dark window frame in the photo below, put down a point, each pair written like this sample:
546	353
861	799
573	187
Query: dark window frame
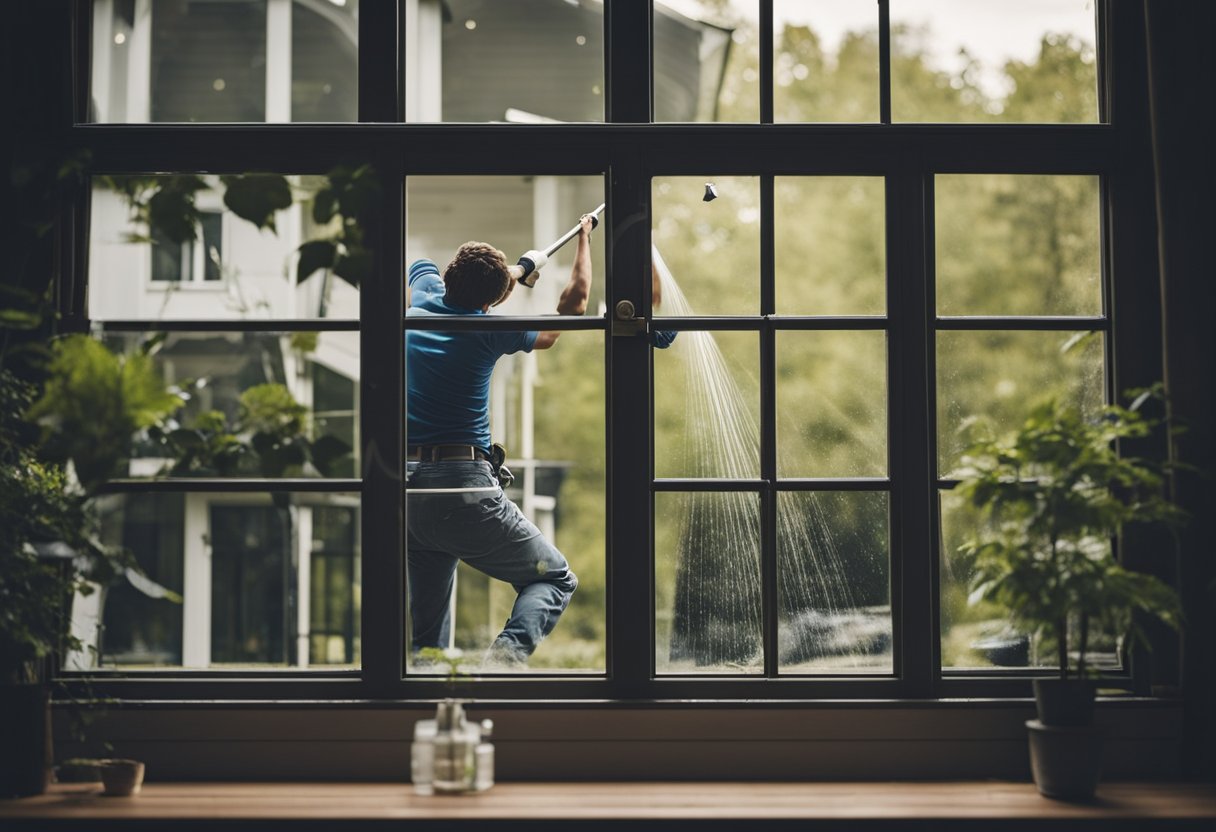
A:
628	151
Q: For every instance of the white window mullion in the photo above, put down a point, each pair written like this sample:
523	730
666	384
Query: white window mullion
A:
196	602
139	66
303	585
103	58
278	61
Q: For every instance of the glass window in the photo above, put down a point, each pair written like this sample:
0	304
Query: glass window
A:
830	246
239	244
959	60
833	573
706	61
197	259
709	248
1018	245
825	60
526	61
707	583
989	381
707	406
546	407
831	408
245	404
228	580
224	61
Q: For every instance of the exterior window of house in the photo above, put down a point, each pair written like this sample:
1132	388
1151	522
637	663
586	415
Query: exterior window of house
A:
224	61
196	260
805	302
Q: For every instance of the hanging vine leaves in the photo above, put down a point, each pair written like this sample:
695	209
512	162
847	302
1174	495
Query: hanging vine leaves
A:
257	197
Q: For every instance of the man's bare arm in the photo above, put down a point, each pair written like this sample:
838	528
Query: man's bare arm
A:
574	297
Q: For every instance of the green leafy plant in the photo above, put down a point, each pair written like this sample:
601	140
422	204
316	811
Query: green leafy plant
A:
268	438
93	404
49	546
1054	494
350	197
449	658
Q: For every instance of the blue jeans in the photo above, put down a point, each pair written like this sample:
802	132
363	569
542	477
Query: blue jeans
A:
488	532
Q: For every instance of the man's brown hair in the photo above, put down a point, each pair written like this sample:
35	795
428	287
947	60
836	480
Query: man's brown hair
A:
476	276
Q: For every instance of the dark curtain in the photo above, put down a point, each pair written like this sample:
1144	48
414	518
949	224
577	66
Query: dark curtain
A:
1182	78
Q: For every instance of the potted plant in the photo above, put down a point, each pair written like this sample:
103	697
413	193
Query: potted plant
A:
49	551
1054	495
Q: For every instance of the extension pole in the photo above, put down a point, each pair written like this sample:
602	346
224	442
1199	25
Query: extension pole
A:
527	271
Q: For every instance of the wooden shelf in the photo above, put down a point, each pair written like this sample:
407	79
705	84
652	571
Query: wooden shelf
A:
637	806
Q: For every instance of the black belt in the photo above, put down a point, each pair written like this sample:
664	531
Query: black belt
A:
443	453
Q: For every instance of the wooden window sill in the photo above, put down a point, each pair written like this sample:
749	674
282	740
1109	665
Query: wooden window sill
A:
870	805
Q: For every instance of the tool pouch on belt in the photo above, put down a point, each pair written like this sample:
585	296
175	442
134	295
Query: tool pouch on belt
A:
498	455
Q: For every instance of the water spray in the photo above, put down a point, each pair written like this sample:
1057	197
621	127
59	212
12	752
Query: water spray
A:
527	271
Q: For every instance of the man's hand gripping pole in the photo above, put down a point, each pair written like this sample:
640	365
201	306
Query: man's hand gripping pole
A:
527	271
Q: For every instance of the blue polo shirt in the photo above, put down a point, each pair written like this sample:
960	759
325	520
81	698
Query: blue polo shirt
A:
448	373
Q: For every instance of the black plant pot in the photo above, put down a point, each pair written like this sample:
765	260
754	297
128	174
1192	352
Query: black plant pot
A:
1066	760
1066	702
25	740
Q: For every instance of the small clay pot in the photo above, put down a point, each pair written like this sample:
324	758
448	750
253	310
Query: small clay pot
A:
122	778
1066	760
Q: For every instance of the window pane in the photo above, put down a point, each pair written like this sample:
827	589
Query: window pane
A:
523	61
708	250
263	580
707	406
981	634
834	584
706	61
825	61
173	247
231	61
548	409
239	404
707	583
830	241
514	214
989	381
831	404
1010	61
1018	245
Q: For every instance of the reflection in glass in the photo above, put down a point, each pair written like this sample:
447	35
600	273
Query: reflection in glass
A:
523	61
980	634
707	583
232	61
712	249
165	247
989	381
1010	61
706	406
830	245
243	580
706	61
825	61
253	404
831	404
1018	245
548	409
833	579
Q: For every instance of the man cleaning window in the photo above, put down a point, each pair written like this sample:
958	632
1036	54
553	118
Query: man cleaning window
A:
457	508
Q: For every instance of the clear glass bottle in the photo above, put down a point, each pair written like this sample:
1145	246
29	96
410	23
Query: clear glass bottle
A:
422	757
455	746
484	754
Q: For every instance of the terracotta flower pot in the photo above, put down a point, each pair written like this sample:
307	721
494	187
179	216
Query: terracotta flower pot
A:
122	777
